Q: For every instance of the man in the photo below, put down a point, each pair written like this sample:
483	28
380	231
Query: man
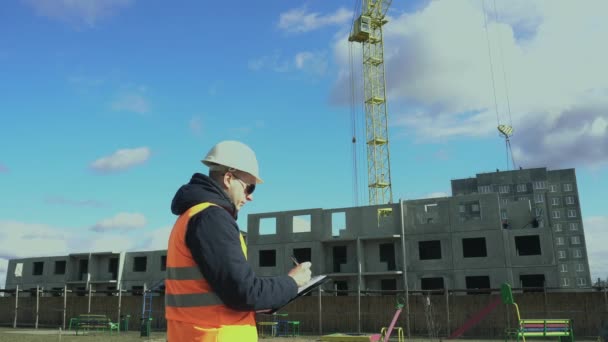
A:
212	293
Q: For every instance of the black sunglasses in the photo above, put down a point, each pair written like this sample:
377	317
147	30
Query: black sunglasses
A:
249	188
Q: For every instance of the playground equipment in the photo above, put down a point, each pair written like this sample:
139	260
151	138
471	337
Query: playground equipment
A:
384	335
475	319
146	310
400	336
562	328
399	307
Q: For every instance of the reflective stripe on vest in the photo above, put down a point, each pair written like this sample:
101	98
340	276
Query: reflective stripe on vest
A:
193	299
184	273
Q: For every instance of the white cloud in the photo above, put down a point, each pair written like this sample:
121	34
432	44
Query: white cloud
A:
146	240
274	62
599	127
115	243
20	240
312	62
122	159
308	62
24	240
596	238
301	58
60	200
156	239
120	222
131	102
76	12
40	239
301	224
440	84
195	125
300	20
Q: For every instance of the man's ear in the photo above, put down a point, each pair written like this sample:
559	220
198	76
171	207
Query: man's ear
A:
226	180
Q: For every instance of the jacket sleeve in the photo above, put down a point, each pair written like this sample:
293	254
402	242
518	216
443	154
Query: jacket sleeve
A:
213	238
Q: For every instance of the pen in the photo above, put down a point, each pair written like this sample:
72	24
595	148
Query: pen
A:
295	261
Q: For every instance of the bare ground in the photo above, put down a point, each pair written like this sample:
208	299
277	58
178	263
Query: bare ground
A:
40	335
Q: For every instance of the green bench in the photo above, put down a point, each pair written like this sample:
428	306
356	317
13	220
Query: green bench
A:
560	328
86	322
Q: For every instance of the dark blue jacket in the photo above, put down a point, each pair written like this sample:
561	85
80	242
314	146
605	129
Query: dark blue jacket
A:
213	237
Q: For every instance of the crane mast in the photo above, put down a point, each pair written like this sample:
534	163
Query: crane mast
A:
367	30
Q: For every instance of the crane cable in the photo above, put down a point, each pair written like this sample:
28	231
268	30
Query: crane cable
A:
507	140
504	78
504	74
353	124
485	20
353	111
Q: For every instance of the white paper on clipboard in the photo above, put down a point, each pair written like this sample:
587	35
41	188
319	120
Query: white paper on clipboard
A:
314	281
304	289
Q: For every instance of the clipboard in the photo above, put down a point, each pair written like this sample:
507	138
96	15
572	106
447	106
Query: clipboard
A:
314	282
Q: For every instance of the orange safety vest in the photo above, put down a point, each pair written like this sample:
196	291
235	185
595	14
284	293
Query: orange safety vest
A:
193	311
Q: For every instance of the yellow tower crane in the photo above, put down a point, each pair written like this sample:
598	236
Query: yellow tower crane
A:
367	30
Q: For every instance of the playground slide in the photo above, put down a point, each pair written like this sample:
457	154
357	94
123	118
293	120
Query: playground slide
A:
475	319
390	328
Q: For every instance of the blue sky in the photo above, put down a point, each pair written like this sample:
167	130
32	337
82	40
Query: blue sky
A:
108	107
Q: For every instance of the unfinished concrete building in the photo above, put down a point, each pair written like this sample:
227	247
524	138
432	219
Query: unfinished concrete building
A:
554	200
521	226
99	273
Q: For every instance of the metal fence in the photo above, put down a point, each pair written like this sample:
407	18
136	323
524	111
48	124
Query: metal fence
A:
34	308
433	314
441	314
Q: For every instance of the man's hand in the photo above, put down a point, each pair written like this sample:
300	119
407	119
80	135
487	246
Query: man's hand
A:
301	273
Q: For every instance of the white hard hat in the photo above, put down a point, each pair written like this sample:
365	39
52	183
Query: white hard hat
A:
236	155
